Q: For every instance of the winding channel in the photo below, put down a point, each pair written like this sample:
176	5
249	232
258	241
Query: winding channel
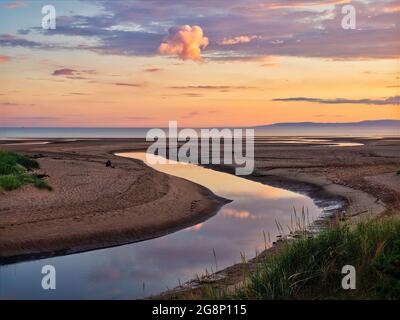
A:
144	268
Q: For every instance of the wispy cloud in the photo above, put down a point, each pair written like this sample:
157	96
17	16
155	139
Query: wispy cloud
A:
152	70
190	115
237	40
73	73
14	104
64	72
77	94
33	118
9	40
212	87
295	4
193	95
14	4
123	84
139	118
387	101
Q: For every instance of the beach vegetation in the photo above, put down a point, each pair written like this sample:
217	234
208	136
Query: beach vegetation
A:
311	267
16	171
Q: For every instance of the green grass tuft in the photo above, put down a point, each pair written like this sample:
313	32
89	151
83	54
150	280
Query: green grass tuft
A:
10	182
12	163
14	172
41	184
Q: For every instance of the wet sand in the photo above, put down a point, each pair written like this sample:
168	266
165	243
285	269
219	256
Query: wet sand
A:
94	206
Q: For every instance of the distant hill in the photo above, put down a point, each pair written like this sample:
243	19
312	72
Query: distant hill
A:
390	124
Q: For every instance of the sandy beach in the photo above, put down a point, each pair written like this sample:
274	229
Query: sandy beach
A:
93	206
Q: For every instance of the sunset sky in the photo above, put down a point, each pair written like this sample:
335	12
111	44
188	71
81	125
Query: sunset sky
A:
200	62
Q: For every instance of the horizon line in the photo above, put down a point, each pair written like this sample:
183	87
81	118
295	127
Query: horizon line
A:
205	127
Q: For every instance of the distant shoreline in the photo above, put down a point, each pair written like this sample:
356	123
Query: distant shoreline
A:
366	128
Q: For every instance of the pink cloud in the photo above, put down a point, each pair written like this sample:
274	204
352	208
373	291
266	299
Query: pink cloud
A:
186	42
4	58
14	4
392	7
242	214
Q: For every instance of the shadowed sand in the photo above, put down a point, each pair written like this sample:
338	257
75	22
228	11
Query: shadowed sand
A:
94	206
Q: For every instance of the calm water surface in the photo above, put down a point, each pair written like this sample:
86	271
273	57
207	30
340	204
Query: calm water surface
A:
149	267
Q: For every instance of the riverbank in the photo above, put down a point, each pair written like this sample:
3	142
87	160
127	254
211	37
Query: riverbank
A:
88	217
366	184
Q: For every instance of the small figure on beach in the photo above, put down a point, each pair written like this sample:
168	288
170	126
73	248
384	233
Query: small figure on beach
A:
109	164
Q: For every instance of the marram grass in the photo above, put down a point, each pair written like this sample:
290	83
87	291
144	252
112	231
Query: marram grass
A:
310	267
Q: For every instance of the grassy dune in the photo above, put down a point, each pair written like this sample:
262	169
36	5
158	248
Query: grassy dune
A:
310	268
15	171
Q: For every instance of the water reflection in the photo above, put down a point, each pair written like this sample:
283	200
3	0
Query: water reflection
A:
148	267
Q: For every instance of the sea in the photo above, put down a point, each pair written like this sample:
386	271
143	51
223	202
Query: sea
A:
97	133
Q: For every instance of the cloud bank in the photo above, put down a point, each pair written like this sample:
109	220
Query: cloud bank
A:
301	28
186	42
387	101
